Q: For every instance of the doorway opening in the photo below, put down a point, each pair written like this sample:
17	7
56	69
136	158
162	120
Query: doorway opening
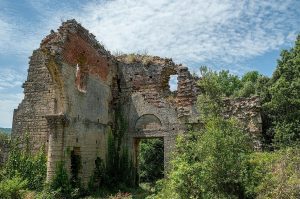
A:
151	160
75	166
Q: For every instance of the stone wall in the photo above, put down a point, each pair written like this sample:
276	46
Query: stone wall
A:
246	110
67	104
39	100
76	91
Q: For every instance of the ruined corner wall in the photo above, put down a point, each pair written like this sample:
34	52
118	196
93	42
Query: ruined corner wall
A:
85	73
39	94
68	98
248	112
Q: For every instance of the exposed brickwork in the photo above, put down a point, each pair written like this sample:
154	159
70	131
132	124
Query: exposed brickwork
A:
75	88
78	51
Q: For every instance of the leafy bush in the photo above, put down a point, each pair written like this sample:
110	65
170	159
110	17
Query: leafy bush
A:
12	187
99	177
61	181
151	159
30	167
207	163
287	133
273	174
283	108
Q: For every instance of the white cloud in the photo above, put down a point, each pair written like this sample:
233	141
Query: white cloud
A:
16	38
10	78
3	29
8	102
173	82
217	32
10	81
220	32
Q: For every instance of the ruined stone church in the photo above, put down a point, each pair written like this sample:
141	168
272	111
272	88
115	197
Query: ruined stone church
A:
77	94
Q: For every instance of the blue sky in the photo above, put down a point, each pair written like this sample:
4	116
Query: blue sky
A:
223	34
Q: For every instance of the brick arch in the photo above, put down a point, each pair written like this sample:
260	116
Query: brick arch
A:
147	121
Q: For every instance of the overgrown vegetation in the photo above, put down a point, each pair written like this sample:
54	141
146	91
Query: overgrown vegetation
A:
6	131
151	161
207	163
218	162
22	171
117	173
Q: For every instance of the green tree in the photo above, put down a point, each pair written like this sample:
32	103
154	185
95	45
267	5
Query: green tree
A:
273	174
223	83
213	87
207	163
253	83
283	108
151	159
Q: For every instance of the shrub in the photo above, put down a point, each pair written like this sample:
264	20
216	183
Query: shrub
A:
151	160
30	167
61	182
99	177
12	187
207	163
273	174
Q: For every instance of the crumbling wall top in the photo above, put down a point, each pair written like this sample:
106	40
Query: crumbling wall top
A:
56	39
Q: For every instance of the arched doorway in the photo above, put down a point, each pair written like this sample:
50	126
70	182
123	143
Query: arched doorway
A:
149	148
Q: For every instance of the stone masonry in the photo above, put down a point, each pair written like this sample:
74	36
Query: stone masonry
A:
75	88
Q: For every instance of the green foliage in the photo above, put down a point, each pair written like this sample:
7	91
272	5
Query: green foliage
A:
210	101
287	133
30	167
47	193
6	131
119	166
61	182
283	108
118	170
217	85
151	159
273	174
99	177
12	187
223	84
4	137
207	163
253	83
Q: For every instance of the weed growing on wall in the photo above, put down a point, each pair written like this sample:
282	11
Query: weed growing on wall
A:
118	169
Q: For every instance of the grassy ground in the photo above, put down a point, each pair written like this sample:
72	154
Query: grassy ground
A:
144	190
141	192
